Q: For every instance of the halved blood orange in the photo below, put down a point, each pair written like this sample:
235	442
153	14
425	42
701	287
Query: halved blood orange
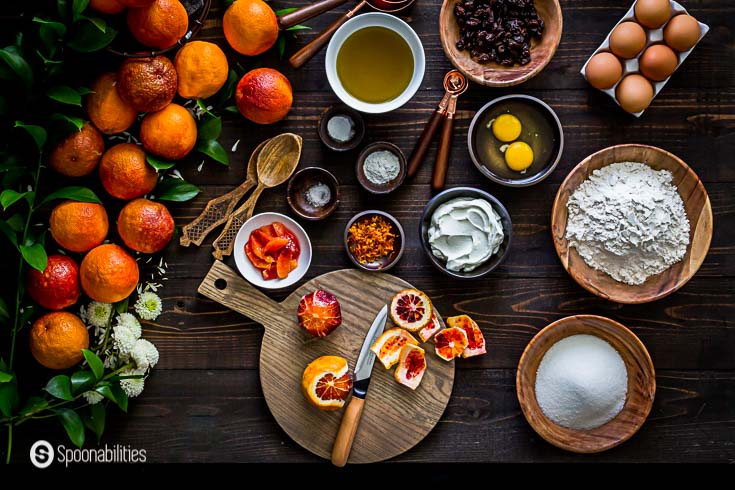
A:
450	342
327	382
411	309
429	330
388	346
412	366
319	313
475	339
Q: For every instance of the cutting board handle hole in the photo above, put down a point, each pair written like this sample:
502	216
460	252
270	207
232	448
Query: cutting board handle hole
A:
220	284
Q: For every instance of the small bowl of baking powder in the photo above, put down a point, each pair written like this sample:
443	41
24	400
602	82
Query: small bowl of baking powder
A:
313	193
381	167
341	128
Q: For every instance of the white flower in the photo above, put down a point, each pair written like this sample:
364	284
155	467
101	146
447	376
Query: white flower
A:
97	315
144	354
123	339
148	306
127	320
92	397
110	361
132	386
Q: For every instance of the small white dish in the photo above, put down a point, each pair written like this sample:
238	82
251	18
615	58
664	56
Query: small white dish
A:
375	19
251	273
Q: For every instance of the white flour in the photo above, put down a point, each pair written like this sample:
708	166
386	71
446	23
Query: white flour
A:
628	221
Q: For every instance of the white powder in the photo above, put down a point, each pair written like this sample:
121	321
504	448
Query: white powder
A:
581	382
341	128
318	195
382	166
628	221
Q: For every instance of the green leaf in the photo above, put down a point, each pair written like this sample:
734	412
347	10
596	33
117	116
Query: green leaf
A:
62	6
95	364
203	107
158	164
60	387
9	197
75	121
19	67
232	109
77	7
33	405
122	306
213	149
209	129
84	91
6	377
9	397
98	23
285	11
88	38
65	95
37	133
4	312
281	45
96	420
35	256
298	27
120	396
73	425
228	89
82	381
171	189
16	222
51	33
75	193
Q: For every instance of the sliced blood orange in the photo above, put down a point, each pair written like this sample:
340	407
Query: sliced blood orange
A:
411	309
283	266
429	330
388	346
254	258
319	313
475	339
327	382
275	245
450	342
412	366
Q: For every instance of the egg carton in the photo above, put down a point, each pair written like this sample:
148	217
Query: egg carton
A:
653	36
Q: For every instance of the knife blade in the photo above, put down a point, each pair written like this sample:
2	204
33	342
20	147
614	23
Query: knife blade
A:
363	372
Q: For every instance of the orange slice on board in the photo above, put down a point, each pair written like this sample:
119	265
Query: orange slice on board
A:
388	346
411	367
411	309
475	339
327	382
429	330
450	342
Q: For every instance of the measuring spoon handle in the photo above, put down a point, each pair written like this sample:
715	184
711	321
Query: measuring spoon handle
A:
226	240
422	144
307	12
442	154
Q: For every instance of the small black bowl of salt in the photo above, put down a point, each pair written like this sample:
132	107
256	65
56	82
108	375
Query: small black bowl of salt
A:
313	193
381	167
341	128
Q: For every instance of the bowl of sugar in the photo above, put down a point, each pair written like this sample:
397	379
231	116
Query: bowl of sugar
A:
585	383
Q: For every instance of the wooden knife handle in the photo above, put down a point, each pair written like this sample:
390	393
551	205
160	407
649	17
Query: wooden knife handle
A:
347	431
306	13
422	144
442	154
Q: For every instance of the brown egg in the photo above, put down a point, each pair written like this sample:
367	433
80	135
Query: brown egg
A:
652	13
658	62
634	93
627	39
682	32
603	70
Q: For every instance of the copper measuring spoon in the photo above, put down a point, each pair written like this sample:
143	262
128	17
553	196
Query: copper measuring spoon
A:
218	209
277	160
455	84
315	45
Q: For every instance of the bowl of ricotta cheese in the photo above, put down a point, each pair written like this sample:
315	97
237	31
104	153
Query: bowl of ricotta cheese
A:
465	232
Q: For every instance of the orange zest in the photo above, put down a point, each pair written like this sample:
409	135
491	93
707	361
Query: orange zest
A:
371	239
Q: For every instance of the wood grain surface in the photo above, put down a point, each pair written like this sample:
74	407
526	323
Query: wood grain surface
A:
204	403
638	400
696	204
394	418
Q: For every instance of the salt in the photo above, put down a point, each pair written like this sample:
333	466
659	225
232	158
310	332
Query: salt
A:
581	382
341	128
318	195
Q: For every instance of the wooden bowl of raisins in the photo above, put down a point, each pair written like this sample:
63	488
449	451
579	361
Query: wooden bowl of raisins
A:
502	42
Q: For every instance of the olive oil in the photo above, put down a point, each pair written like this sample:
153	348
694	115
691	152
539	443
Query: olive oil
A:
375	64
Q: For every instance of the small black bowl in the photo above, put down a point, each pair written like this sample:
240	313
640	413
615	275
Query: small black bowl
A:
386	262
453	193
300	182
388	186
358	126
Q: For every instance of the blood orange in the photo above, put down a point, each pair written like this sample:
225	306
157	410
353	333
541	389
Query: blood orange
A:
389	344
327	382
450	342
475	339
429	330
319	313
412	366
411	309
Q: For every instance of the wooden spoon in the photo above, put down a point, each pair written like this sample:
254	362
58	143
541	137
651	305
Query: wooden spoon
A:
276	162
218	210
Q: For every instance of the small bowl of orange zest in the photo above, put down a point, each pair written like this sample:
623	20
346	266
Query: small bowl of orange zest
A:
374	240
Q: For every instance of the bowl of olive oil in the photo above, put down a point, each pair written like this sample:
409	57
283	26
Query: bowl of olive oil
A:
375	63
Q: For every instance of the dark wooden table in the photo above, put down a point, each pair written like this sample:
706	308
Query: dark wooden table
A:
204	402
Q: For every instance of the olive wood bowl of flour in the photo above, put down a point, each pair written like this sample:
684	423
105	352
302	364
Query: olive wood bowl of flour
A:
638	398
381	167
655	268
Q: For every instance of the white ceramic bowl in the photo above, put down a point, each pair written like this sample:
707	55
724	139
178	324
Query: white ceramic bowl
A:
371	20
253	274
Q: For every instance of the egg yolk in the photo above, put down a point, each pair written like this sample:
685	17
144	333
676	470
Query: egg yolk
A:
519	156
507	128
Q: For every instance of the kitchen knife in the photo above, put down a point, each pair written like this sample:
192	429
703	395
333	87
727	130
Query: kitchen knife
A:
353	412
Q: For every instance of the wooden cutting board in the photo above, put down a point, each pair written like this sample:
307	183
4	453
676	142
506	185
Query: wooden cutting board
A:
395	418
